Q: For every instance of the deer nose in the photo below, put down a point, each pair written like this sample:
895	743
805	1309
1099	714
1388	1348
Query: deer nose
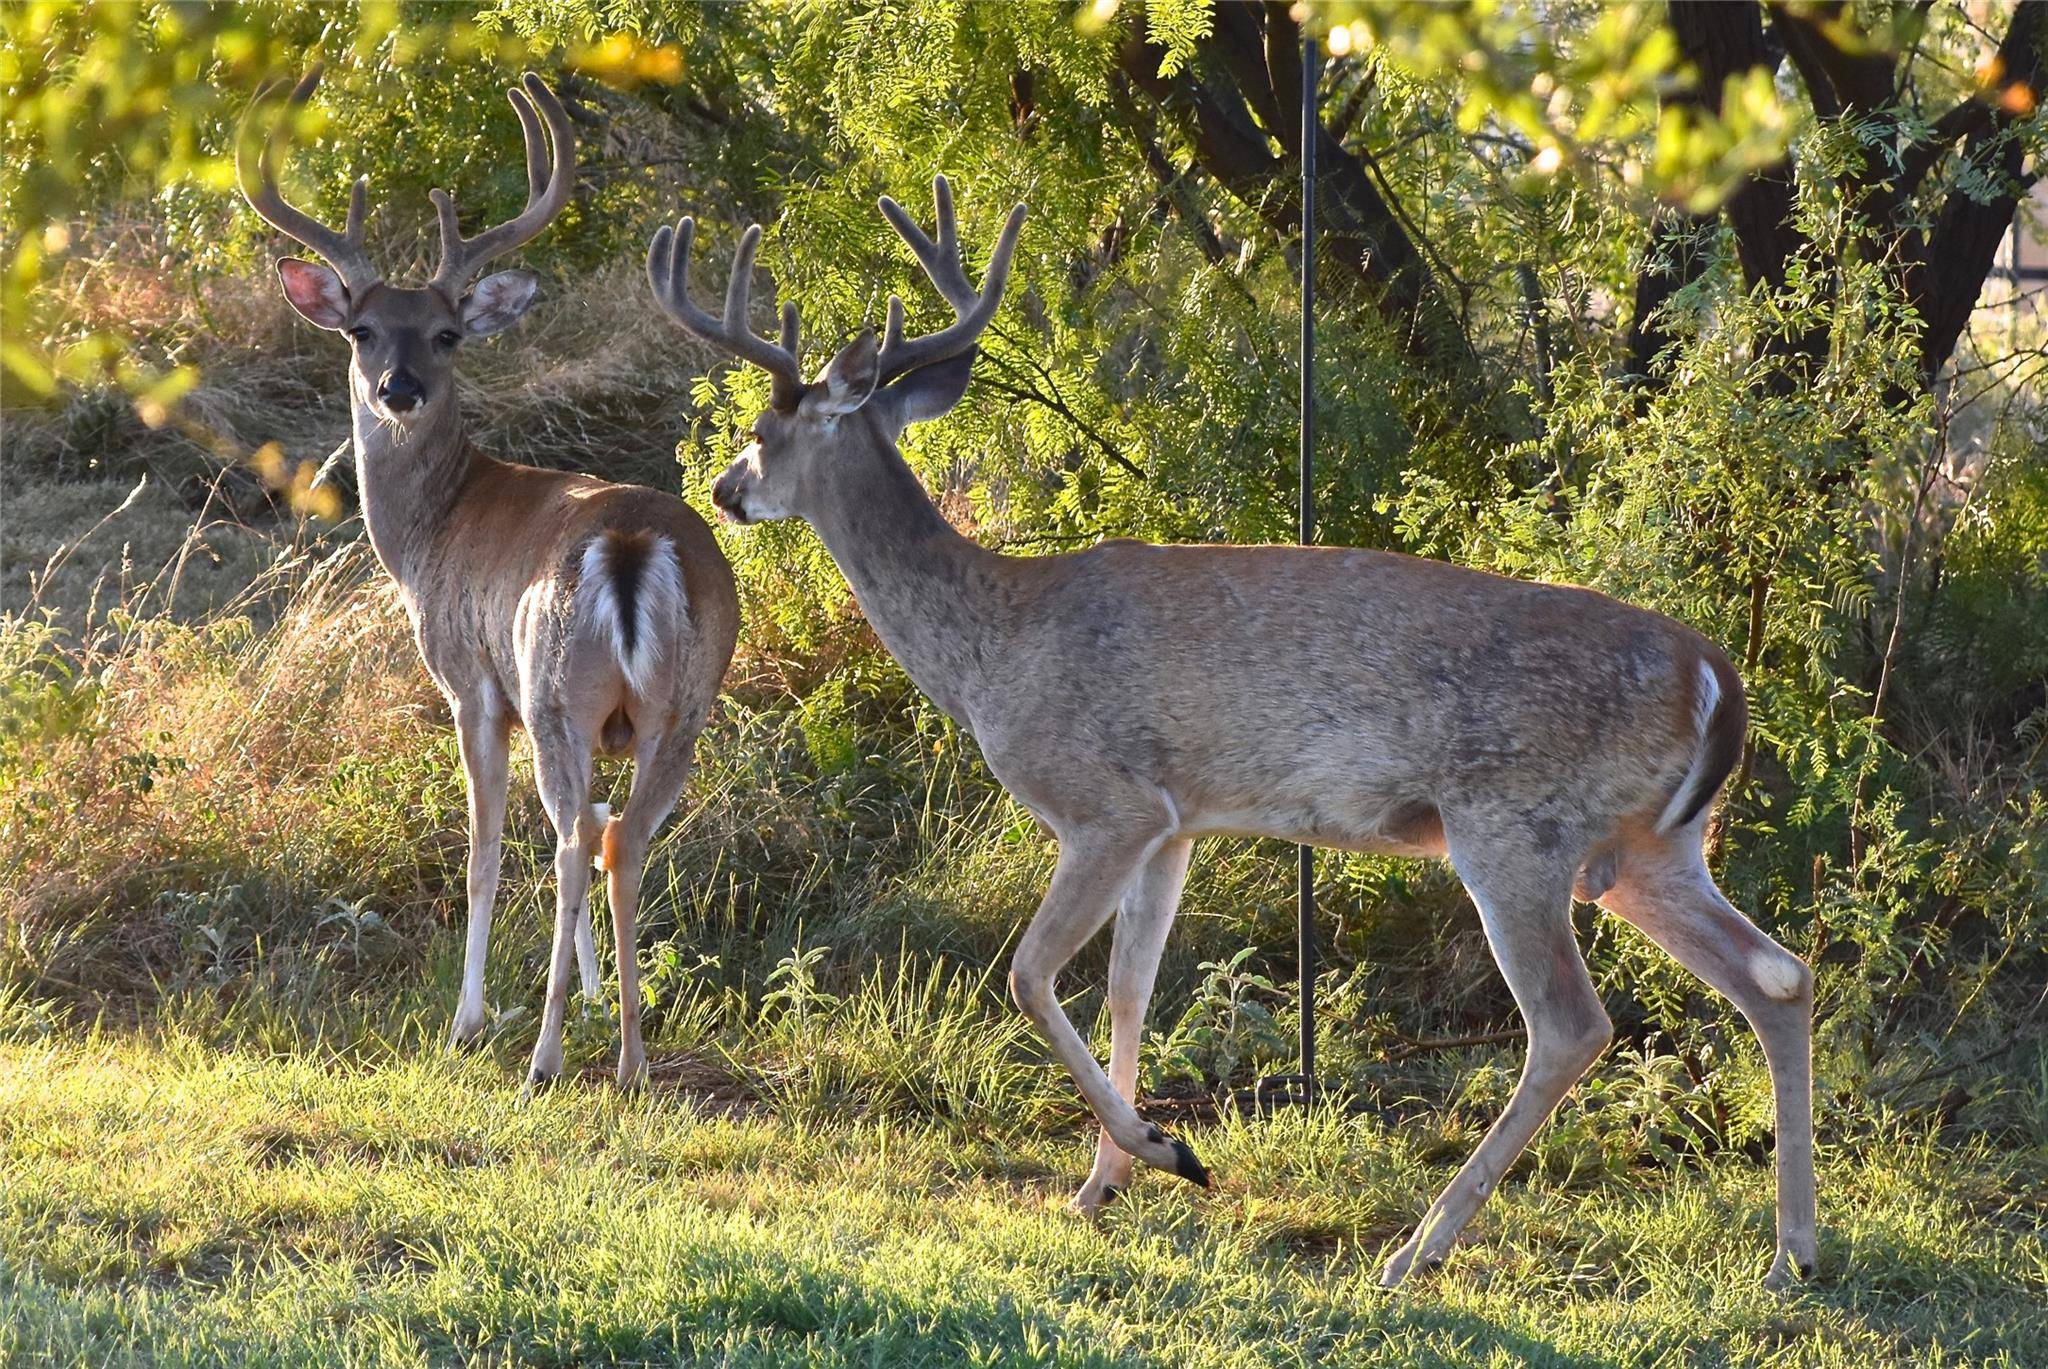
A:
725	493
401	391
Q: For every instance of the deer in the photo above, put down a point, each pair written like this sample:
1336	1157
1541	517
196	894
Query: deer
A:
1550	741
599	617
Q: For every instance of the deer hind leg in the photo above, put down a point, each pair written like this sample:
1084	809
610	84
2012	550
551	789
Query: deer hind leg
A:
1524	902
561	763
661	767
1666	893
1142	923
1093	870
481	732
589	977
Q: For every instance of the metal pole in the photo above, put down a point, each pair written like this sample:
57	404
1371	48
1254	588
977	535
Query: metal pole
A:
1305	862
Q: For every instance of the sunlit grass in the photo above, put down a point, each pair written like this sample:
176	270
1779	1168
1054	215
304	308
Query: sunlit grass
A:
167	1202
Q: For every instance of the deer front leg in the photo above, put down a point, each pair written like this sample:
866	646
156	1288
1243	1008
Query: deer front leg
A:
481	733
1094	869
561	762
1525	906
1142	924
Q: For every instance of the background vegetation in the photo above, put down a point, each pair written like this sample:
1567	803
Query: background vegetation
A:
1692	303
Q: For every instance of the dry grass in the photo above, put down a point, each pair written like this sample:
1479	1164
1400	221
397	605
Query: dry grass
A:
151	768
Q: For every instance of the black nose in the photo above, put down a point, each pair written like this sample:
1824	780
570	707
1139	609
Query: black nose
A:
724	494
401	392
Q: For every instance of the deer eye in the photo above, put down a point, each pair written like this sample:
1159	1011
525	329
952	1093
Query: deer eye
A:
360	333
447	337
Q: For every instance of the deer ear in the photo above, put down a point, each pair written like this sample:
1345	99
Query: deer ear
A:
497	302
847	380
315	291
929	391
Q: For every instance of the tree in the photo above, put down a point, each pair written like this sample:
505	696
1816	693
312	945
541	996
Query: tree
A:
1941	236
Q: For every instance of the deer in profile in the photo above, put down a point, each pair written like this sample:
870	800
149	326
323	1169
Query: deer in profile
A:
1548	740
600	617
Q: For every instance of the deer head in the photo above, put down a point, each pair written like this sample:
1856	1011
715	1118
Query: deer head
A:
404	341
867	394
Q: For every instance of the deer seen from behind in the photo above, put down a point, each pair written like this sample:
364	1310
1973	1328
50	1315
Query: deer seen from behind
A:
600	617
1548	740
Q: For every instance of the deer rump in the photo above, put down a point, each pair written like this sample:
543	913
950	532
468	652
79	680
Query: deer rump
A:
629	591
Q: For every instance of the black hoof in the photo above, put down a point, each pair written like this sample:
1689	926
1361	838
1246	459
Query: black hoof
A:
1110	1193
1187	1166
536	1082
1184	1162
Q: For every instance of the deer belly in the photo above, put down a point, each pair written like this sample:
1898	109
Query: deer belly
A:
1383	825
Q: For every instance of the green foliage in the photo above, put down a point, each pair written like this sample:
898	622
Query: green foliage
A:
1581	84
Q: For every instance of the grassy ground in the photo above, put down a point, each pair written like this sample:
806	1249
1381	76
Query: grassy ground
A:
163	1201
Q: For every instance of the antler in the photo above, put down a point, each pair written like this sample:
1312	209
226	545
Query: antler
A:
941	262
257	173
668	270
548	183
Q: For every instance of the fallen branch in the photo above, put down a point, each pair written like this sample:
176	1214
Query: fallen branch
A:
1412	1046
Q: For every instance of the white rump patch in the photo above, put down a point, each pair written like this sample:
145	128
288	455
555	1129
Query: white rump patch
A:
657	604
1776	973
1705	700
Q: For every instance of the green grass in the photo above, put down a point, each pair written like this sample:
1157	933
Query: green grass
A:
165	1201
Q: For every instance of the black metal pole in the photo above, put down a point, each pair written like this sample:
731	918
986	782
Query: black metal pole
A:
1305	860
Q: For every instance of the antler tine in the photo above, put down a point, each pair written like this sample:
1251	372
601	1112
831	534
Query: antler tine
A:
789	327
941	259
892	330
739	286
668	271
550	177
538	166
942	263
256	171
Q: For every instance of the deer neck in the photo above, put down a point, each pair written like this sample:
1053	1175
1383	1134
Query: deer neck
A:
933	596
409	480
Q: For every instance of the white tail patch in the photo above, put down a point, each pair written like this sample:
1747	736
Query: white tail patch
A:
631	587
1704	700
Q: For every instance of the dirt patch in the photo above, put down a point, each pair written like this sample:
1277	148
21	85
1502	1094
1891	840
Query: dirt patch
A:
711	1089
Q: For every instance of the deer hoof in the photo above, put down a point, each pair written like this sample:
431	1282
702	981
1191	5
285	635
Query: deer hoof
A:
463	1039
1405	1262
1787	1270
1184	1162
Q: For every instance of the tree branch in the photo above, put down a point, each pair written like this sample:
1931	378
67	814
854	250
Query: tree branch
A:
1229	107
1947	275
1719	40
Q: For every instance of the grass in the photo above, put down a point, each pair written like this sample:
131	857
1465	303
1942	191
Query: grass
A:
169	1202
